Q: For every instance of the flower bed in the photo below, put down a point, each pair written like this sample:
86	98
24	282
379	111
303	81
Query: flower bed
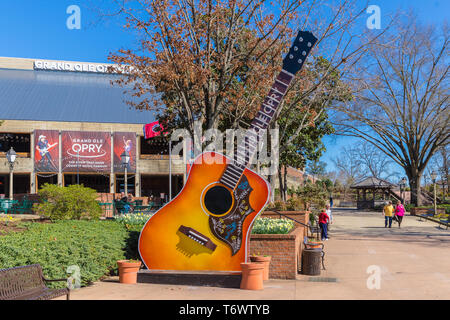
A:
272	226
133	220
301	216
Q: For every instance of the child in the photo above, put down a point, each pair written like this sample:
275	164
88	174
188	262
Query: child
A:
323	222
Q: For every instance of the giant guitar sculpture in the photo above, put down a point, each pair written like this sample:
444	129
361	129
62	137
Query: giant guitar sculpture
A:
207	225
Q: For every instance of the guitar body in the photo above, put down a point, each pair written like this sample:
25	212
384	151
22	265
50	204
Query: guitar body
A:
163	246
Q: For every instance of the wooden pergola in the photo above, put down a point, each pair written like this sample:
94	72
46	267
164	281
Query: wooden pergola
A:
368	189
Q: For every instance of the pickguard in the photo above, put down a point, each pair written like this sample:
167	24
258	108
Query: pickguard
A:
229	227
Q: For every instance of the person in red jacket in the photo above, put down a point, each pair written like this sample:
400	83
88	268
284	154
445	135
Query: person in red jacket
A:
323	221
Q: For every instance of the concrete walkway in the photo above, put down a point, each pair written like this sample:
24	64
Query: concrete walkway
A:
364	260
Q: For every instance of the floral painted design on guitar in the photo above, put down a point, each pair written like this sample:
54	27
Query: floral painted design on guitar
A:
229	227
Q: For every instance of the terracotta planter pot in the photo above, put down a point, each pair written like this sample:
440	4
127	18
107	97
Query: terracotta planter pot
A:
252	276
266	263
313	245
128	271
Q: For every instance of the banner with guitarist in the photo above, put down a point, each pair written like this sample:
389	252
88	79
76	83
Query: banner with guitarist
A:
46	150
124	141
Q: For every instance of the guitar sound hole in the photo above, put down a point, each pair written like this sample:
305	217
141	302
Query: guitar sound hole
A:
218	200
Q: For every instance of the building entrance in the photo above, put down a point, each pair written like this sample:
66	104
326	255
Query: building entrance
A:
98	182
21	184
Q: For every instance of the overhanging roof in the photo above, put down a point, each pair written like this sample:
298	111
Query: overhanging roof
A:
373	183
65	96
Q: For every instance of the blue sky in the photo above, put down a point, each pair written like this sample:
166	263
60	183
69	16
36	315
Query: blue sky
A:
37	29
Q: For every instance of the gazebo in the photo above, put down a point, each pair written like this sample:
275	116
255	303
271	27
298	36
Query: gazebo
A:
373	186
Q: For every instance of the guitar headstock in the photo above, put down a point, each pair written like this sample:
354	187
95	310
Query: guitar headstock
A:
298	52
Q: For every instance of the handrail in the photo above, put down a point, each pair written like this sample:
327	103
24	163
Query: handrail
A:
281	214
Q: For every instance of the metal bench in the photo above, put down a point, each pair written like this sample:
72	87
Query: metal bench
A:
22	207
7	205
144	208
121	207
28	283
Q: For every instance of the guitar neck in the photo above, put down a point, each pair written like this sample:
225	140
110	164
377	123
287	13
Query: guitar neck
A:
248	147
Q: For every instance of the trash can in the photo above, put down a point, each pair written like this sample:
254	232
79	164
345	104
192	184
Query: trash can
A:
311	259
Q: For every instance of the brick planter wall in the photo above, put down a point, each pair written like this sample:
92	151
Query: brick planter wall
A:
418	211
285	250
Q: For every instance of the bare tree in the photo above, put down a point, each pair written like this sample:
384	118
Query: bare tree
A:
440	164
375	161
350	167
401	97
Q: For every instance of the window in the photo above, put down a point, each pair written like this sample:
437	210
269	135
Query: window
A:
155	146
20	142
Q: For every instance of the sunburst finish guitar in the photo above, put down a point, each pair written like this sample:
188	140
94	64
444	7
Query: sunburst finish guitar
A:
207	225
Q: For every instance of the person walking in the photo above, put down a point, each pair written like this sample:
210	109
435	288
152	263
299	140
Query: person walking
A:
330	215
399	212
388	212
323	223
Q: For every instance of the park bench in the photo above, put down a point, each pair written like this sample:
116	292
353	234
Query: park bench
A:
7	205
144	208
28	283
119	206
22	207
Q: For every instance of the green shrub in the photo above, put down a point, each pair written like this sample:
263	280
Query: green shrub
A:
93	246
313	218
272	226
278	205
295	204
72	202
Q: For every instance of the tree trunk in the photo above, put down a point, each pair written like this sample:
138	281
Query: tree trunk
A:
414	182
280	182
270	179
285	183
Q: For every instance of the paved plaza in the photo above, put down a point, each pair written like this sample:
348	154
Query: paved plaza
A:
363	260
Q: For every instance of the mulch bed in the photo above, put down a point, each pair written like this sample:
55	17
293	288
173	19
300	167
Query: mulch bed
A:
14	226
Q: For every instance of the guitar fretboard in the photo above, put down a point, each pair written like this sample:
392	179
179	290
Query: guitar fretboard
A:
248	147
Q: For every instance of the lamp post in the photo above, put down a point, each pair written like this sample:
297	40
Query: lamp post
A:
78	169
433	176
444	187
402	184
11	156
125	157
